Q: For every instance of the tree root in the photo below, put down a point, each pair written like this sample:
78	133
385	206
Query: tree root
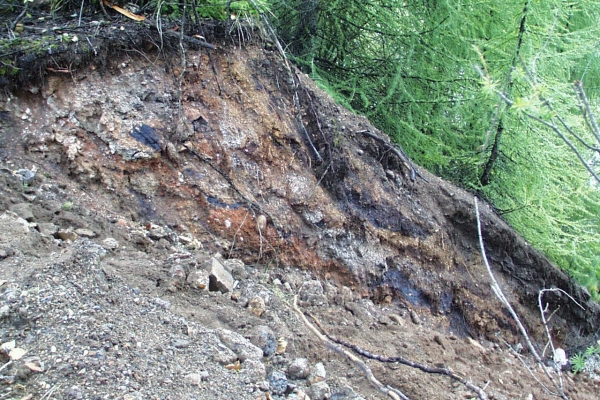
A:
295	82
398	359
500	295
389	391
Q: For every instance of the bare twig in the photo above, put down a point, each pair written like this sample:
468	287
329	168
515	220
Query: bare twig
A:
259	228
158	24
50	392
6	365
391	392
498	292
312	107
588	110
19	17
314	192
192	40
80	13
104	9
551	125
524	363
236	233
543	311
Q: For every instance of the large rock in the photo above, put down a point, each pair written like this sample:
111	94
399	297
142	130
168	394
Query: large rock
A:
319	391
16	236
312	294
23	210
264	338
299	369
220	279
198	279
240	345
317	373
278	382
255	370
47	228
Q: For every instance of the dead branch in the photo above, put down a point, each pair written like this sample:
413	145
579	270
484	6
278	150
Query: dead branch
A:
59	70
391	392
588	114
312	107
318	183
552	125
238	231
498	292
524	363
401	360
198	43
49	393
543	310
6	365
13	24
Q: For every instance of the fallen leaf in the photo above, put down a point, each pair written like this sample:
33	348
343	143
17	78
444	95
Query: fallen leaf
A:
236	366
3	281
8	346
17	353
34	366
123	11
281	346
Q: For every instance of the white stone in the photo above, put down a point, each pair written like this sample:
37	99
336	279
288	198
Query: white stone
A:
220	279
110	243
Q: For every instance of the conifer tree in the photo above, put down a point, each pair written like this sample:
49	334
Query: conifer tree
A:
410	67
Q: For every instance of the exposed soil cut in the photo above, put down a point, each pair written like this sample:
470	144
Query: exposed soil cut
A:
131	175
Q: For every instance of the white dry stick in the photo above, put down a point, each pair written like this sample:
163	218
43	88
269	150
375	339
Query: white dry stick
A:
543	316
522	359
498	292
261	224
6	365
236	233
50	392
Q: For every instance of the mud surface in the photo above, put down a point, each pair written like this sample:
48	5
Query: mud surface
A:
125	181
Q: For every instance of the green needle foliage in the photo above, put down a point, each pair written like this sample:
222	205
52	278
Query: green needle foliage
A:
579	360
577	363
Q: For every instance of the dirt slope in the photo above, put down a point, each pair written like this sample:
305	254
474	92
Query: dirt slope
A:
133	169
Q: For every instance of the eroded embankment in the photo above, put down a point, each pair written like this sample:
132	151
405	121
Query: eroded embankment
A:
215	149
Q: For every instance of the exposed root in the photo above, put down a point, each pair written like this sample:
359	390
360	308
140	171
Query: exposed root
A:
398	359
389	391
498	292
253	206
295	82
